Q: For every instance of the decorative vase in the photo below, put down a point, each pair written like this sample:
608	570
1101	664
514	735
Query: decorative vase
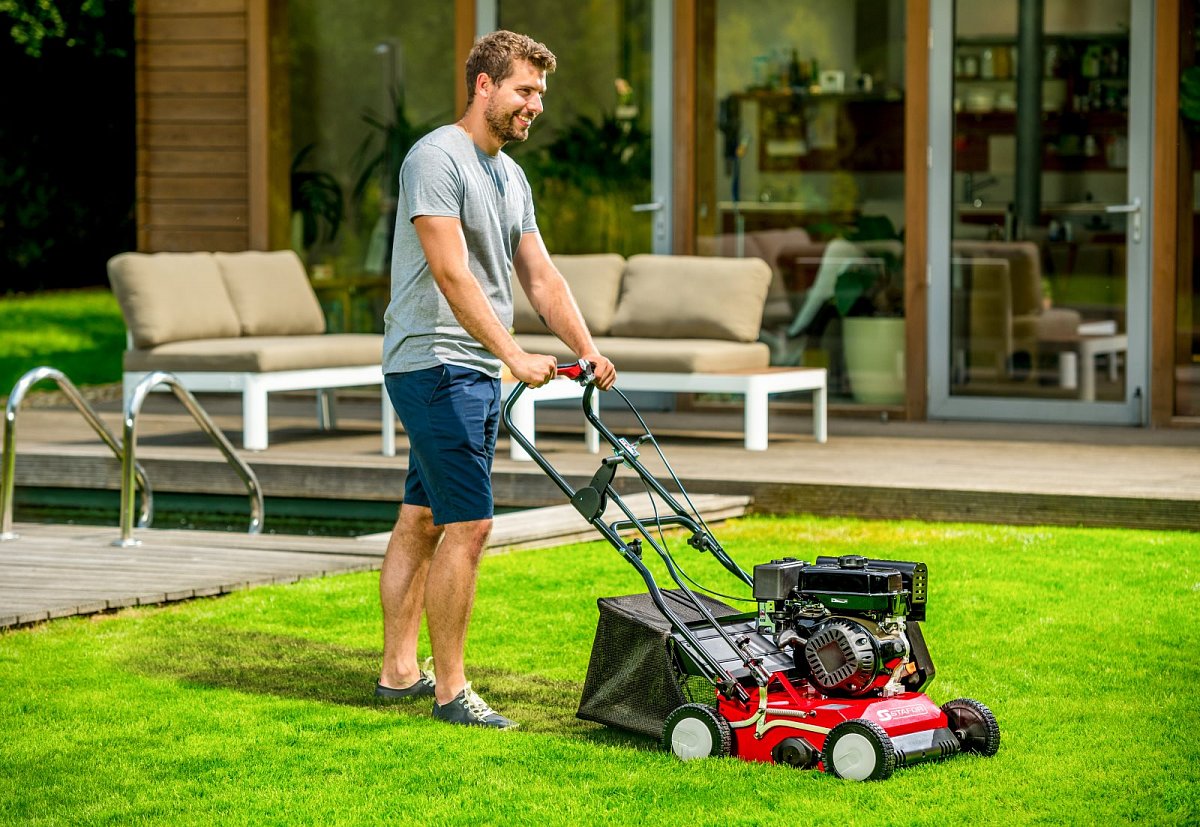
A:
875	359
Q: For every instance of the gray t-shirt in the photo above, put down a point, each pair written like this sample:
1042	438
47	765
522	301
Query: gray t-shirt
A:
445	174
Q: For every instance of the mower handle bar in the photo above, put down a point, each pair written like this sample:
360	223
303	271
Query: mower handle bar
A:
581	372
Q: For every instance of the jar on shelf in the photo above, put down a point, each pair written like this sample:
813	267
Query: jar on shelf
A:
970	65
987	63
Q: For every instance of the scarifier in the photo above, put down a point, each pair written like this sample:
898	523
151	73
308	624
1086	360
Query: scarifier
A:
826	674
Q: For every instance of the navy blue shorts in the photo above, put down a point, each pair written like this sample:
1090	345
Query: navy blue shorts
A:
451	415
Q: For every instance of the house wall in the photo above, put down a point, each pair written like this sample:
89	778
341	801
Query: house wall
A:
207	162
193	124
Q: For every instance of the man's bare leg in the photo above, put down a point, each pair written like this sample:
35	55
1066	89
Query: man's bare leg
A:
449	597
402	593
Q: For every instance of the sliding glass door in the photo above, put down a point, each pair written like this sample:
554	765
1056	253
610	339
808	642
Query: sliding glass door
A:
1038	220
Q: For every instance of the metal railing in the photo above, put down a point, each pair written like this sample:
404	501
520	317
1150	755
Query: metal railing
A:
8	466
133	406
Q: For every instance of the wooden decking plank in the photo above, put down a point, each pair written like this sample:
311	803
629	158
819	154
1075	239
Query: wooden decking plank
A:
61	570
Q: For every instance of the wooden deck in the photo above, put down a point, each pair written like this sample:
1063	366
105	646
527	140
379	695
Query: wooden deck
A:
61	570
54	571
980	472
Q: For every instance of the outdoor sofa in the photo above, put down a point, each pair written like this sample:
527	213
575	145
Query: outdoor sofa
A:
245	322
679	324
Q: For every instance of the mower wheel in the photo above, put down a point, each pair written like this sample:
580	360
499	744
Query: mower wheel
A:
697	731
859	750
973	725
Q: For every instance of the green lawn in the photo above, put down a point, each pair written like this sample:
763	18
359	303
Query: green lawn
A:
256	708
79	332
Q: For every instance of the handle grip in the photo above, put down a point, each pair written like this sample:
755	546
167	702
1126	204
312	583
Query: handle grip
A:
580	371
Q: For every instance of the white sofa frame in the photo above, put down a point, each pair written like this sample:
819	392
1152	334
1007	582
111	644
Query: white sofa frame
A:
254	388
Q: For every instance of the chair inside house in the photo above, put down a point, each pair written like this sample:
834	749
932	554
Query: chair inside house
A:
1002	323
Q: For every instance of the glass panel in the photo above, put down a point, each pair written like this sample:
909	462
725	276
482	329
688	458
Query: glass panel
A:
801	163
367	80
1187	350
1038	258
588	155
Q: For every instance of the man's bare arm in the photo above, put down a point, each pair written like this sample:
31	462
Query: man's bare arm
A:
551	297
446	251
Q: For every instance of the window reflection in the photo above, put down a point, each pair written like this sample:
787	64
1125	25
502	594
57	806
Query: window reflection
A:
588	155
366	81
801	163
1038	259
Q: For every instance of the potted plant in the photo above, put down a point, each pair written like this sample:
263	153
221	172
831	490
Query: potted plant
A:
317	205
869	297
378	159
1189	95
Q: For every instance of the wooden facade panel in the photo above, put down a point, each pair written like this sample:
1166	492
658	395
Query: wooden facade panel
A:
209	55
153	8
156	29
186	241
192	82
231	216
155	162
194	188
154	135
195	109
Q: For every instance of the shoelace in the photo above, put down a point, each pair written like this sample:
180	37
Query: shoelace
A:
426	671
476	705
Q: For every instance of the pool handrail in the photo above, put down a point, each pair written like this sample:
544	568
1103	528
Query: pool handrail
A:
8	465
133	406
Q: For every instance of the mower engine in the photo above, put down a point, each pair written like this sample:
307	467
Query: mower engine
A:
851	623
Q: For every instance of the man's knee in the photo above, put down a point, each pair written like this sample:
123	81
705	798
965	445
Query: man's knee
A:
417	523
471	535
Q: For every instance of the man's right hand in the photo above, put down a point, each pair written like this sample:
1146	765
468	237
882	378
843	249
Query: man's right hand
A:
534	369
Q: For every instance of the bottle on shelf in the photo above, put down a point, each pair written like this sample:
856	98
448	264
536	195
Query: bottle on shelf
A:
987	64
796	79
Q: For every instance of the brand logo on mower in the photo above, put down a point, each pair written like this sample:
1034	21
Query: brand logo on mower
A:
900	712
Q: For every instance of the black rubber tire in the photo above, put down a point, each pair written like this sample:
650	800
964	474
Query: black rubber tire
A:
865	753
697	731
974	725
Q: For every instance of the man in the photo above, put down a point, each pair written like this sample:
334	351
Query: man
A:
465	222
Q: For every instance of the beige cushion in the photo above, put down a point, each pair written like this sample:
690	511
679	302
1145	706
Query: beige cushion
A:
595	281
662	355
690	297
1056	324
726	245
271	293
260	354
171	297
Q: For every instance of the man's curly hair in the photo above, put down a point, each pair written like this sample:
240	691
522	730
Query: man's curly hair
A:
495	53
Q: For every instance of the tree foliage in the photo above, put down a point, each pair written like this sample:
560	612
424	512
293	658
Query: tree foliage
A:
33	24
67	147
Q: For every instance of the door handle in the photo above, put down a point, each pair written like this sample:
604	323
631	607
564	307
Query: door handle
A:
652	206
1134	210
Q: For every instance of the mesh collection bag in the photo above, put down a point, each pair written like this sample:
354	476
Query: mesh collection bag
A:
632	680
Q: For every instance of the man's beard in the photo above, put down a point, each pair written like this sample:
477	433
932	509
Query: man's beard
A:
503	125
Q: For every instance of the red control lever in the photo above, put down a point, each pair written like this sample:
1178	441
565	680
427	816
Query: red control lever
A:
580	371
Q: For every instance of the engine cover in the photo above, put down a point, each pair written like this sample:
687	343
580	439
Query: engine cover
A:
843	658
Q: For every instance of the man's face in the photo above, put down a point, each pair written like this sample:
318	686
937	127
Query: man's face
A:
513	104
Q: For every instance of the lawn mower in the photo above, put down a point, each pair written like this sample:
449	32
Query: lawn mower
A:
825	673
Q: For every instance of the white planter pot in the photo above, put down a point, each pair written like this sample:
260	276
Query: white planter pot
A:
875	359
